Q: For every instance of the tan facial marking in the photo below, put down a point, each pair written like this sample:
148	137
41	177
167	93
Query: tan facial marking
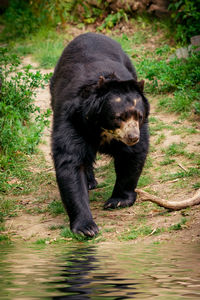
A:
118	99
134	102
106	136
125	128
122	134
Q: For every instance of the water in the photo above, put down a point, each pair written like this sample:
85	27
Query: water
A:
104	271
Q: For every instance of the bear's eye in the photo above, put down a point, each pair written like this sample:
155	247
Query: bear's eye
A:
140	117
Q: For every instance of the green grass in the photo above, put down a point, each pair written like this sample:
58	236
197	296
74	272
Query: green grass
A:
176	80
36	210
4	238
153	120
157	126
184	131
144	180
196	185
55	227
56	208
178	149
7	207
48	53
128	43
45	46
183	101
167	161
134	232
19	179
160	139
109	229
148	162
41	241
175	149
68	234
178	226
104	190
143	231
191	172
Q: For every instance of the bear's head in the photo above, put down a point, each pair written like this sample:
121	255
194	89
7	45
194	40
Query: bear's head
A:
123	112
118	107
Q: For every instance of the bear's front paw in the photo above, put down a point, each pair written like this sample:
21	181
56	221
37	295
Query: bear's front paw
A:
85	227
113	203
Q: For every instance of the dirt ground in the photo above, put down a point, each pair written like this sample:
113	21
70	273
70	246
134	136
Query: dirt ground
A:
113	224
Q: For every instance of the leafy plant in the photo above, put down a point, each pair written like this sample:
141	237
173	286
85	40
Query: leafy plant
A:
19	19
180	77
112	19
185	15
26	17
21	122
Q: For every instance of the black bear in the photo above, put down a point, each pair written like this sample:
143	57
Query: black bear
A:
98	105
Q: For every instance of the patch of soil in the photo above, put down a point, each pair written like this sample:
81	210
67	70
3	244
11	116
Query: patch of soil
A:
34	227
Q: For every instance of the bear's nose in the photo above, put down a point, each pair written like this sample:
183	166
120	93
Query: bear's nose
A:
132	139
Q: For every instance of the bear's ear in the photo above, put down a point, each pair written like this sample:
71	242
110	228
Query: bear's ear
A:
141	85
106	79
101	81
113	76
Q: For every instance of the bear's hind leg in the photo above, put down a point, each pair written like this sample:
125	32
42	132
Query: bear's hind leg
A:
92	183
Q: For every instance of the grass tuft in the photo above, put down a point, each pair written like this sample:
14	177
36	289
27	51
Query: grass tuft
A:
56	208
178	226
68	234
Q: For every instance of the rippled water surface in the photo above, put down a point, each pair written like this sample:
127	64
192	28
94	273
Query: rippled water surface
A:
104	271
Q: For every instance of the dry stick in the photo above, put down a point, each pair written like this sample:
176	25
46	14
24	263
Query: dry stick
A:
184	169
174	205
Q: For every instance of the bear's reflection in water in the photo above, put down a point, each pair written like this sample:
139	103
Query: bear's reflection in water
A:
103	271
83	278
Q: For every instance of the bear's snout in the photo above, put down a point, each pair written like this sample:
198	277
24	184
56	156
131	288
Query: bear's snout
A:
129	132
132	138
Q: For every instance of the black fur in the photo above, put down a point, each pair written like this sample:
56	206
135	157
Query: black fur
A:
90	72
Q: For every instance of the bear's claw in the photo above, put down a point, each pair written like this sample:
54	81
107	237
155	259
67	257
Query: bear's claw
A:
113	203
92	185
87	228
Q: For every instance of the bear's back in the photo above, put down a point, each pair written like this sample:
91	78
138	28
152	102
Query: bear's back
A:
87	57
91	46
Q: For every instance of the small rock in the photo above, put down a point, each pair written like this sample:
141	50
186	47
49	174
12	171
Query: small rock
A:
182	53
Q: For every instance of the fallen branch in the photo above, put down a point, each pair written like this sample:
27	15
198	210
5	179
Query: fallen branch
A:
173	205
